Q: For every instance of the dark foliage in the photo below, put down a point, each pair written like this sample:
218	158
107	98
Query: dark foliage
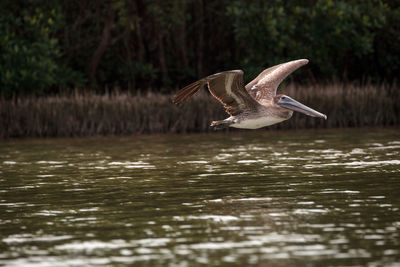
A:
52	46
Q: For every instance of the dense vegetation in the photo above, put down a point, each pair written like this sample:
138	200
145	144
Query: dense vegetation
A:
55	46
125	114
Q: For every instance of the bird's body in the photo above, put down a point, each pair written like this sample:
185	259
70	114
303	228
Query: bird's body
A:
255	120
252	106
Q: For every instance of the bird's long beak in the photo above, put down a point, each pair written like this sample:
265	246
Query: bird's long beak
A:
292	104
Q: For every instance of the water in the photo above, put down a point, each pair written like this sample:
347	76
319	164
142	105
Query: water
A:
299	198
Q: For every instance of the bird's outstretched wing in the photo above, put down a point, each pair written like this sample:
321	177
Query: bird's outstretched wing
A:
263	87
227	87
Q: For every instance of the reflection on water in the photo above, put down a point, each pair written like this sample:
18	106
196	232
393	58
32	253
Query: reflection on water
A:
278	198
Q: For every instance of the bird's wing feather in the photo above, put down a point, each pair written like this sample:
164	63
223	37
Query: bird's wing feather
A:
263	87
227	87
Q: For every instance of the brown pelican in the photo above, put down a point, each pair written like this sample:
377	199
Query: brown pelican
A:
255	105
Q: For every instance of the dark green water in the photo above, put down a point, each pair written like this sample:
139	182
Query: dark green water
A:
302	198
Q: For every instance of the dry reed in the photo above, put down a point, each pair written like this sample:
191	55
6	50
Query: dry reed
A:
347	105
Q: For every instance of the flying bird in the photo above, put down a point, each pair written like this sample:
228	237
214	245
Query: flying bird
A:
252	106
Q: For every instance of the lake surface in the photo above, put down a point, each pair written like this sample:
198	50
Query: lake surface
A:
290	198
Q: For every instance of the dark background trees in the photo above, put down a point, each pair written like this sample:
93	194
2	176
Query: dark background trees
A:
52	46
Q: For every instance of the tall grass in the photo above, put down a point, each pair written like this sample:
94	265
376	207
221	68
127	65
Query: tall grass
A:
347	105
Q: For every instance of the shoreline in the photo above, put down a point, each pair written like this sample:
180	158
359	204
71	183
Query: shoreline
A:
216	134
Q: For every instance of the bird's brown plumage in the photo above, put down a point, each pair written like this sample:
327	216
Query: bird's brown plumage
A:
228	87
263	87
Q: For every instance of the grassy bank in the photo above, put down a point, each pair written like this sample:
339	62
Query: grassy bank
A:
125	114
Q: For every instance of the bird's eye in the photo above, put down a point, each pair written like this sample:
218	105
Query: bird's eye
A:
283	97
